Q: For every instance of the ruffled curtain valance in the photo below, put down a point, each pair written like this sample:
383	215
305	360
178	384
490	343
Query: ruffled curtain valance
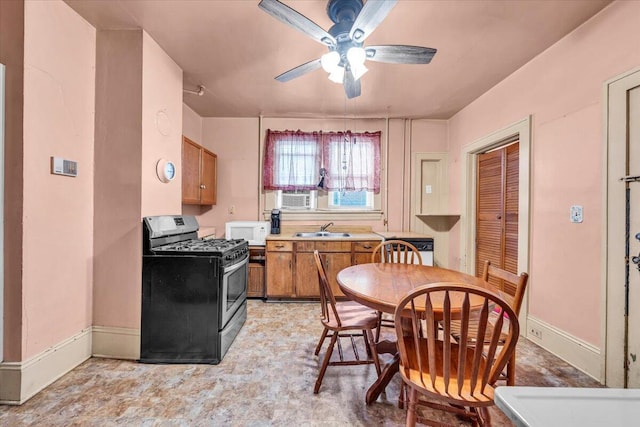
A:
293	160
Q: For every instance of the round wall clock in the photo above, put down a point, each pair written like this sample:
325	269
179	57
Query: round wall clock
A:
165	170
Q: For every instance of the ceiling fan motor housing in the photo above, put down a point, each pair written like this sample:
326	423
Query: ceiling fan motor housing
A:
343	10
343	13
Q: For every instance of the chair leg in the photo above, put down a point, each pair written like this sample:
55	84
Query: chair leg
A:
511	370
484	418
379	326
374	352
322	337
402	396
325	362
411	409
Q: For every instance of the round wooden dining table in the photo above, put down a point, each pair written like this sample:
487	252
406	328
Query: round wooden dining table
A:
381	286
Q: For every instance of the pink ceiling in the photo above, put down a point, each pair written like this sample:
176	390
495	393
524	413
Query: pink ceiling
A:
235	50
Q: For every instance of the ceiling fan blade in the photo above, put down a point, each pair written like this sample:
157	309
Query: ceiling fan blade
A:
400	54
351	85
296	20
305	68
372	14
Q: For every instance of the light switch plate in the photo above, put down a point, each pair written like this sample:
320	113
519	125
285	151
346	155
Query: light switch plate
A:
576	213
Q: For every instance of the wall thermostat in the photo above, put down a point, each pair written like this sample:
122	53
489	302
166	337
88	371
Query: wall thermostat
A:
165	170
60	166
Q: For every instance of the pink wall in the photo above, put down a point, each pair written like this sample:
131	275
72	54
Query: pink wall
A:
59	88
235	142
191	124
139	110
563	91
238	163
161	129
117	199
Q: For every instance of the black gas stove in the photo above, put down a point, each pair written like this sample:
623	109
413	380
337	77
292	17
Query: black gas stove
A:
193	292
178	235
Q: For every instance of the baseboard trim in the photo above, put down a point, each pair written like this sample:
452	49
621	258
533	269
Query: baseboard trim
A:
116	343
582	355
19	381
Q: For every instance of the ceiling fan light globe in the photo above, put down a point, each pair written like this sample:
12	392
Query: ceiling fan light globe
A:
356	56
330	61
358	71
337	75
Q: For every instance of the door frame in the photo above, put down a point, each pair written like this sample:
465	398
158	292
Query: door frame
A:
613	242
2	76
520	130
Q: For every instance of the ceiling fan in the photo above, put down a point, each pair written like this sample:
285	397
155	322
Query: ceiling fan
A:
354	22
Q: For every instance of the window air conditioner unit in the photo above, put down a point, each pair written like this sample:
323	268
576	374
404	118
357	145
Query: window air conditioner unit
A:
297	201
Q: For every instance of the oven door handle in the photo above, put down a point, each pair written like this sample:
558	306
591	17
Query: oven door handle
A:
234	267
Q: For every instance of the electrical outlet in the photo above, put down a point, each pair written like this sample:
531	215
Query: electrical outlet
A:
536	333
232	209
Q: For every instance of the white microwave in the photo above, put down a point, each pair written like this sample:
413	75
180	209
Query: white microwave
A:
254	232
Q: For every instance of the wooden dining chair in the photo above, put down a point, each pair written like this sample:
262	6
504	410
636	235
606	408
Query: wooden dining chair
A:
347	319
445	374
393	251
511	288
397	251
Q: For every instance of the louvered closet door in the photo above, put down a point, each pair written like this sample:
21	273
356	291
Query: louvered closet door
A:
497	209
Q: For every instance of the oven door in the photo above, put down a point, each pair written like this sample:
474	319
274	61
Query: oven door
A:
234	289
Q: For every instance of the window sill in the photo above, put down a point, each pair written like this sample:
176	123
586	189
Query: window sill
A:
327	214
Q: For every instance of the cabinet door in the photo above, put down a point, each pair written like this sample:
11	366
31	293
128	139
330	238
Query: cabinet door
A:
208	178
279	274
255	287
190	172
333	263
362	251
306	275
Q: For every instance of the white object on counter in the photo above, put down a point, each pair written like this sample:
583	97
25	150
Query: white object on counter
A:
569	406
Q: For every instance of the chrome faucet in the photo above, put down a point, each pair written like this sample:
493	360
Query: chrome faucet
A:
324	227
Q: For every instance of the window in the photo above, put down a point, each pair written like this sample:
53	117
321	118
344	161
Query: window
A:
351	199
344	164
292	160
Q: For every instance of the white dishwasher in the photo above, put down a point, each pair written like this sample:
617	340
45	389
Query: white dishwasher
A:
423	243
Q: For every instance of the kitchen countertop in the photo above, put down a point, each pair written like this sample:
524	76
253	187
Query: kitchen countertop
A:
356	233
402	235
352	237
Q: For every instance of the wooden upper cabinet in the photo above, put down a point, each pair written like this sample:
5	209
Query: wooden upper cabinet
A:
208	177
198	174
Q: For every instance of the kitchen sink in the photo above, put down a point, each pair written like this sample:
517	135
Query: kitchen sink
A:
321	234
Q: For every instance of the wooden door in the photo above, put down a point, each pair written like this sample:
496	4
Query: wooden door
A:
208	177
190	172
497	209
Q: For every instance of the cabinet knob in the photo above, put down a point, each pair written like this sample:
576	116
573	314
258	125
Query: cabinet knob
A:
202	186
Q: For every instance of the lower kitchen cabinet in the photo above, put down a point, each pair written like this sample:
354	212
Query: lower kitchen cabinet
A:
333	263
292	271
362	251
279	273
255	285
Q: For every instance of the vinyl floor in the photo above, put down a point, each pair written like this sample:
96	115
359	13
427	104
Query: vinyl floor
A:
266	379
